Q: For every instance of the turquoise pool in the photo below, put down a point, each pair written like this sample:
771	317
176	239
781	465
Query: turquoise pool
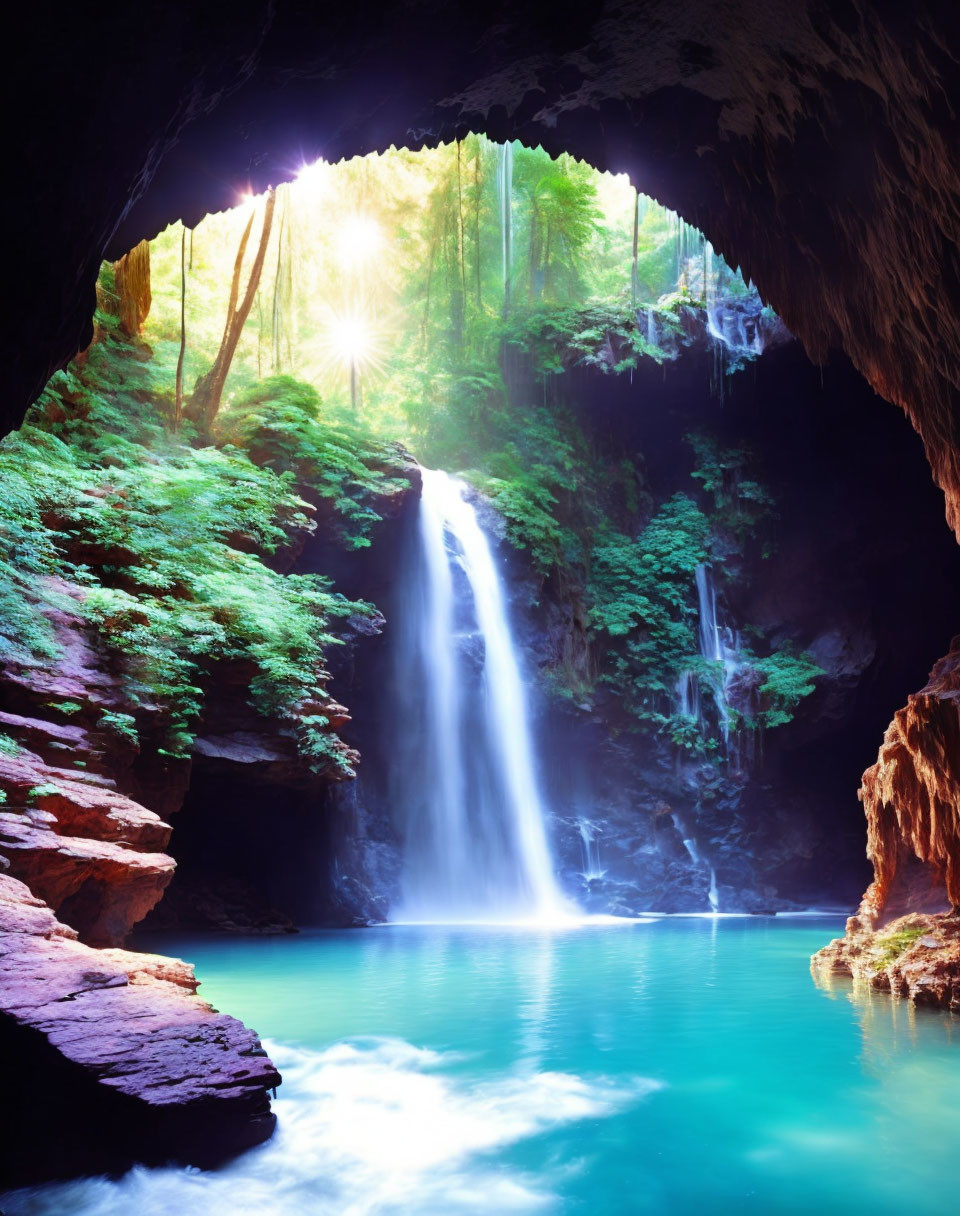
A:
679	1066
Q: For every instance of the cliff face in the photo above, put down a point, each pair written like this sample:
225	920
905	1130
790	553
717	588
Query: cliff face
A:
94	854
120	1035
89	794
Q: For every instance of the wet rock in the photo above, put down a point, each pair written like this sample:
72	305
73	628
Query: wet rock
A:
89	852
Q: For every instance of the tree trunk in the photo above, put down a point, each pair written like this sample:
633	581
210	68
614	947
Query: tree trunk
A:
477	194
275	329
132	279
178	400
463	266
205	402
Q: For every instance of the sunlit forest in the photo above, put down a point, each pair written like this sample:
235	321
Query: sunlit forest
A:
389	283
265	366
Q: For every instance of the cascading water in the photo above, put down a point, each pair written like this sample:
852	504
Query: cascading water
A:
718	645
476	843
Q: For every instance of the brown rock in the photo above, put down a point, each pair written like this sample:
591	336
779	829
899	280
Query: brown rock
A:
915	956
127	1033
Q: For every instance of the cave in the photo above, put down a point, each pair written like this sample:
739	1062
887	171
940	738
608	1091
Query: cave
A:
500	645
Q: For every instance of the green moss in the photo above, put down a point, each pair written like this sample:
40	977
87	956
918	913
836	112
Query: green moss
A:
124	726
42	791
892	945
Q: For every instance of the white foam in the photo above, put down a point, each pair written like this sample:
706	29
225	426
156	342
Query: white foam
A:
367	1126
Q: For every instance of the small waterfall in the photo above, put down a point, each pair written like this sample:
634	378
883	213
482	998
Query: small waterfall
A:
713	895
476	843
718	645
651	328
688	697
698	859
590	839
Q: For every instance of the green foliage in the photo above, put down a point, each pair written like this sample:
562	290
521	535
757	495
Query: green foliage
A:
741	505
786	679
602	334
641	604
46	790
67	708
123	726
277	423
526	505
161	547
8	746
34	470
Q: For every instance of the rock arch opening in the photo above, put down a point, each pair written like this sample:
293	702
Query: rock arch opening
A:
816	148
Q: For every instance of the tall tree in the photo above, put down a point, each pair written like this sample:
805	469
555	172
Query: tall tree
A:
275	328
505	178
205	402
477	200
178	396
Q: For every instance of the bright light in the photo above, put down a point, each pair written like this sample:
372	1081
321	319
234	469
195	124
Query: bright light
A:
358	240
313	176
351	338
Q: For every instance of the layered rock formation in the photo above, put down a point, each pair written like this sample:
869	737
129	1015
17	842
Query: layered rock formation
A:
92	853
156	1071
88	793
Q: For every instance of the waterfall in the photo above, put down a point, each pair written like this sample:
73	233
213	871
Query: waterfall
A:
718	646
688	696
476	843
713	894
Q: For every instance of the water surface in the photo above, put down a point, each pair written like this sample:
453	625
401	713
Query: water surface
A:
680	1066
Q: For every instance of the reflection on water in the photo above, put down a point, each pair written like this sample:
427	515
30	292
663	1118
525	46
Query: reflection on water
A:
678	1067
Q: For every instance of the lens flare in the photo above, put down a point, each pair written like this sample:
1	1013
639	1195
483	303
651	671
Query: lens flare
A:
351	338
313	176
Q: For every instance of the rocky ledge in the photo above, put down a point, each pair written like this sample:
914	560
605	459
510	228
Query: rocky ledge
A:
122	1037
915	956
